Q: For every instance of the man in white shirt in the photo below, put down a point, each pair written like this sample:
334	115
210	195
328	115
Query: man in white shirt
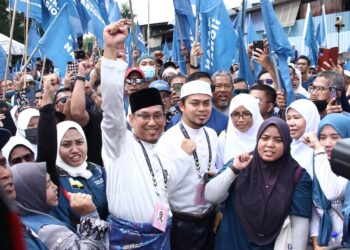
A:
192	215
136	182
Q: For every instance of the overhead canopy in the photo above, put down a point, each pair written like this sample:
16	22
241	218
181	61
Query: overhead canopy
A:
16	48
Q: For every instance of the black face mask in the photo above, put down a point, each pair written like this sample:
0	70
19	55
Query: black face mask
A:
32	135
321	105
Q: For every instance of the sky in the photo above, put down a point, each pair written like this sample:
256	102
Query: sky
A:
163	10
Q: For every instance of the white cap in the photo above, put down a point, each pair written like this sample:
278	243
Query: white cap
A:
169	70
347	73
29	78
195	87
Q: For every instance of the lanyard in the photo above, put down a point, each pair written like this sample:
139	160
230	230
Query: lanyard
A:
195	156
165	173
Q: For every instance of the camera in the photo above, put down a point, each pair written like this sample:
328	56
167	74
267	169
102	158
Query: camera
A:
340	158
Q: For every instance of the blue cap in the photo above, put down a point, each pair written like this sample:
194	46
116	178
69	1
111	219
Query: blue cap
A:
160	85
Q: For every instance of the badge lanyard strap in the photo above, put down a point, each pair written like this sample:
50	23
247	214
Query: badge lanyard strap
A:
195	156
165	174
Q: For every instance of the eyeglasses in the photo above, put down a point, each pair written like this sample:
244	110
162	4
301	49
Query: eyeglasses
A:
147	117
266	81
317	89
25	158
244	115
138	81
62	99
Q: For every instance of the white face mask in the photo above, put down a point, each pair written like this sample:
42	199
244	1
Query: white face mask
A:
149	72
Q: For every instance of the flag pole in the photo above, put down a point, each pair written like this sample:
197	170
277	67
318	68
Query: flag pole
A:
148	26
133	34
10	43
274	62
42	71
195	58
29	58
26	39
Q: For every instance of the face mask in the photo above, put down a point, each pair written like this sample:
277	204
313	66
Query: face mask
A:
149	72
9	94
31	134
321	105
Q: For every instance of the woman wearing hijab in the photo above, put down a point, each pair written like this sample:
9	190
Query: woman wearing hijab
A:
302	117
36	195
295	75
75	174
261	192
28	121
327	220
240	136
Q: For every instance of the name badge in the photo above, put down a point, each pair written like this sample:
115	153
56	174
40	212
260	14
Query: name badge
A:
199	199
160	217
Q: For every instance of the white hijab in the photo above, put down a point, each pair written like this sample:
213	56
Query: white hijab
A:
13	115
23	121
237	142
14	142
300	89
81	170
301	152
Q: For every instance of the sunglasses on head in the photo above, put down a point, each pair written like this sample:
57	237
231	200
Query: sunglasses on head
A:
135	80
266	81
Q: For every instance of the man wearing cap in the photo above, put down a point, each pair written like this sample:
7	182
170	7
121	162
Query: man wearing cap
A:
192	215
148	65
136	181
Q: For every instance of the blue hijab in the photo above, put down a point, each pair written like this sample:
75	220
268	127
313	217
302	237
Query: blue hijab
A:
341	124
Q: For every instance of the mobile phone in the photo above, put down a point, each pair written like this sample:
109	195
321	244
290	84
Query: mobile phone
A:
258	44
72	66
334	94
325	54
177	88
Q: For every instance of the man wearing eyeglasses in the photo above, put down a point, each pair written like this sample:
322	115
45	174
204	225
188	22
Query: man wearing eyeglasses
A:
61	98
328	93
136	181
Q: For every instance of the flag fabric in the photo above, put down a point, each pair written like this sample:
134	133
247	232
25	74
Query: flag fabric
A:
33	39
253	36
217	36
347	64
57	41
310	37
140	41
140	44
113	11
34	9
279	46
245	71
51	9
167	53
96	23
2	63
103	10
177	53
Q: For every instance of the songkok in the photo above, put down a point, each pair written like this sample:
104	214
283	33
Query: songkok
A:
195	87
146	56
144	98
160	85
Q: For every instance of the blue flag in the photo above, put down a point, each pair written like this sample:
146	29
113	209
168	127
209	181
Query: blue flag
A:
244	65
113	11
57	42
50	10
2	63
177	54
217	36
96	23
279	46
253	36
33	39
140	40
103	10
167	53
34	9
310	38
140	44
347	64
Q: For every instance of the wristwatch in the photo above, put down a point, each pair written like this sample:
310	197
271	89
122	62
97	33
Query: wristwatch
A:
235	170
81	78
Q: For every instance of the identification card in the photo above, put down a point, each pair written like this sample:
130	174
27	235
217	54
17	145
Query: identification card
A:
160	217
199	199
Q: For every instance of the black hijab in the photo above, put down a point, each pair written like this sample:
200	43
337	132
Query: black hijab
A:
262	210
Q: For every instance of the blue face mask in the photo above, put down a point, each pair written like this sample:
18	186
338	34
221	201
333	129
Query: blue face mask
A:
9	94
149	72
